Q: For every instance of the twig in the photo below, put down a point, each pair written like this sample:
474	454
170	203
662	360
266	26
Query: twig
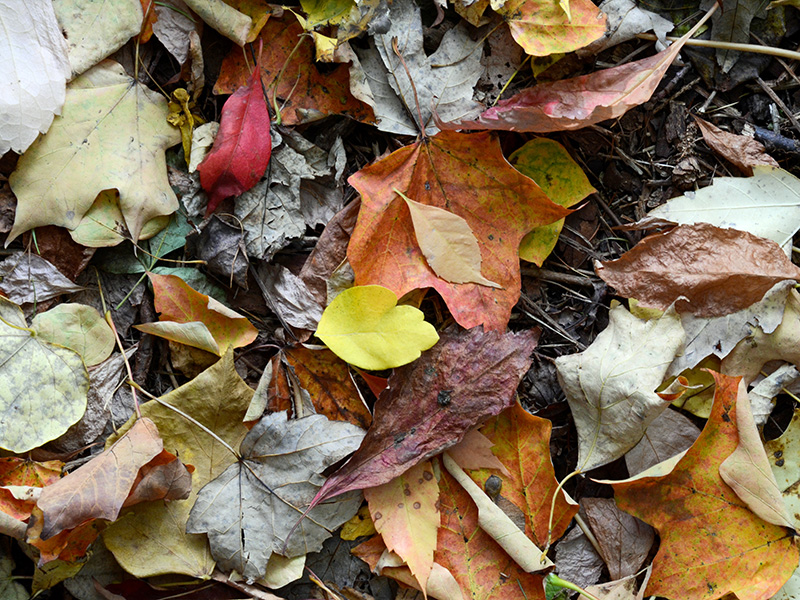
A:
776	99
782	52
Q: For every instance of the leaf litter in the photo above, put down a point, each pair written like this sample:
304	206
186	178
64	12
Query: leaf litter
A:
245	451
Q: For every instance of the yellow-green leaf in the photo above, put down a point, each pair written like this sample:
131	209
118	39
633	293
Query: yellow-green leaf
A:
448	244
43	387
364	327
112	133
102	225
78	327
549	164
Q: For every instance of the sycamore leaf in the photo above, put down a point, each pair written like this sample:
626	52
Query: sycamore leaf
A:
98	489
150	538
549	164
711	543
766	204
429	405
249	511
747	470
704	270
404	512
543	27
305	93
611	385
743	151
364	327
57	180
78	327
447	242
581	101
242	147
34	75
95	31
468	176
195	319
44	386
757	349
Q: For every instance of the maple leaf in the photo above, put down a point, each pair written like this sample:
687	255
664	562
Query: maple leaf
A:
242	147
431	404
249	510
467	175
711	543
704	270
404	511
98	489
57	180
192	318
610	385
289	73
543	28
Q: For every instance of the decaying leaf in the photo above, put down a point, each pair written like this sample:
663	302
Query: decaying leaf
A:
57	180
364	327
743	151
611	385
711	543
704	270
468	176
250	509
430	404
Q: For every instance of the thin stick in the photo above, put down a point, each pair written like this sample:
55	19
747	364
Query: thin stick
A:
781	52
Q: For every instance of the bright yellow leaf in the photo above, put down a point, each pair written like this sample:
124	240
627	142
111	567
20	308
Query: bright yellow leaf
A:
364	327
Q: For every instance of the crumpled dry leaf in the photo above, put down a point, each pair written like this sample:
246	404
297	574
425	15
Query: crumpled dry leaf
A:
743	151
624	20
27	278
703	269
611	385
250	509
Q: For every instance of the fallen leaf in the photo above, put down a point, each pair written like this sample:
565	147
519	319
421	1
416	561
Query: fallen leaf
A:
364	327
242	147
250	509
98	489
785	465
56	181
766	204
28	278
670	433
549	164
35	75
405	94
743	151
404	512
164	477
195	319
24	472
431	404
704	270
467	175
288	72
711	543
624	540
576	560
78	327
624	21
611	385
150	539
543	28
224	18
580	101
747	470
732	25
481	567
288	297
94	31
57	375
474	451
522	444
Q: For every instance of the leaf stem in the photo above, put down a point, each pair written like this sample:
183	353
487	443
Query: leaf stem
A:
755	48
553	510
555	580
109	319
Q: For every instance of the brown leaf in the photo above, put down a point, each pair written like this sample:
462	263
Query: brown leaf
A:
163	478
705	270
98	489
743	151
431	404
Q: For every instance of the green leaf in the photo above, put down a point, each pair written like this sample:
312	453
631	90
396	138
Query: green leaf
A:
549	164
78	327
364	327
44	386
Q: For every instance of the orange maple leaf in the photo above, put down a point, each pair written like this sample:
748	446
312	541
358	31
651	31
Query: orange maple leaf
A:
711	543
465	174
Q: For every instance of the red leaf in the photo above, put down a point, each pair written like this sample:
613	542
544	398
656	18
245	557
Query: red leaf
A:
243	146
432	403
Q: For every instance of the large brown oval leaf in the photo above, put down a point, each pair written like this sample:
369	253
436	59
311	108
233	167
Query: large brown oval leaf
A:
708	270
